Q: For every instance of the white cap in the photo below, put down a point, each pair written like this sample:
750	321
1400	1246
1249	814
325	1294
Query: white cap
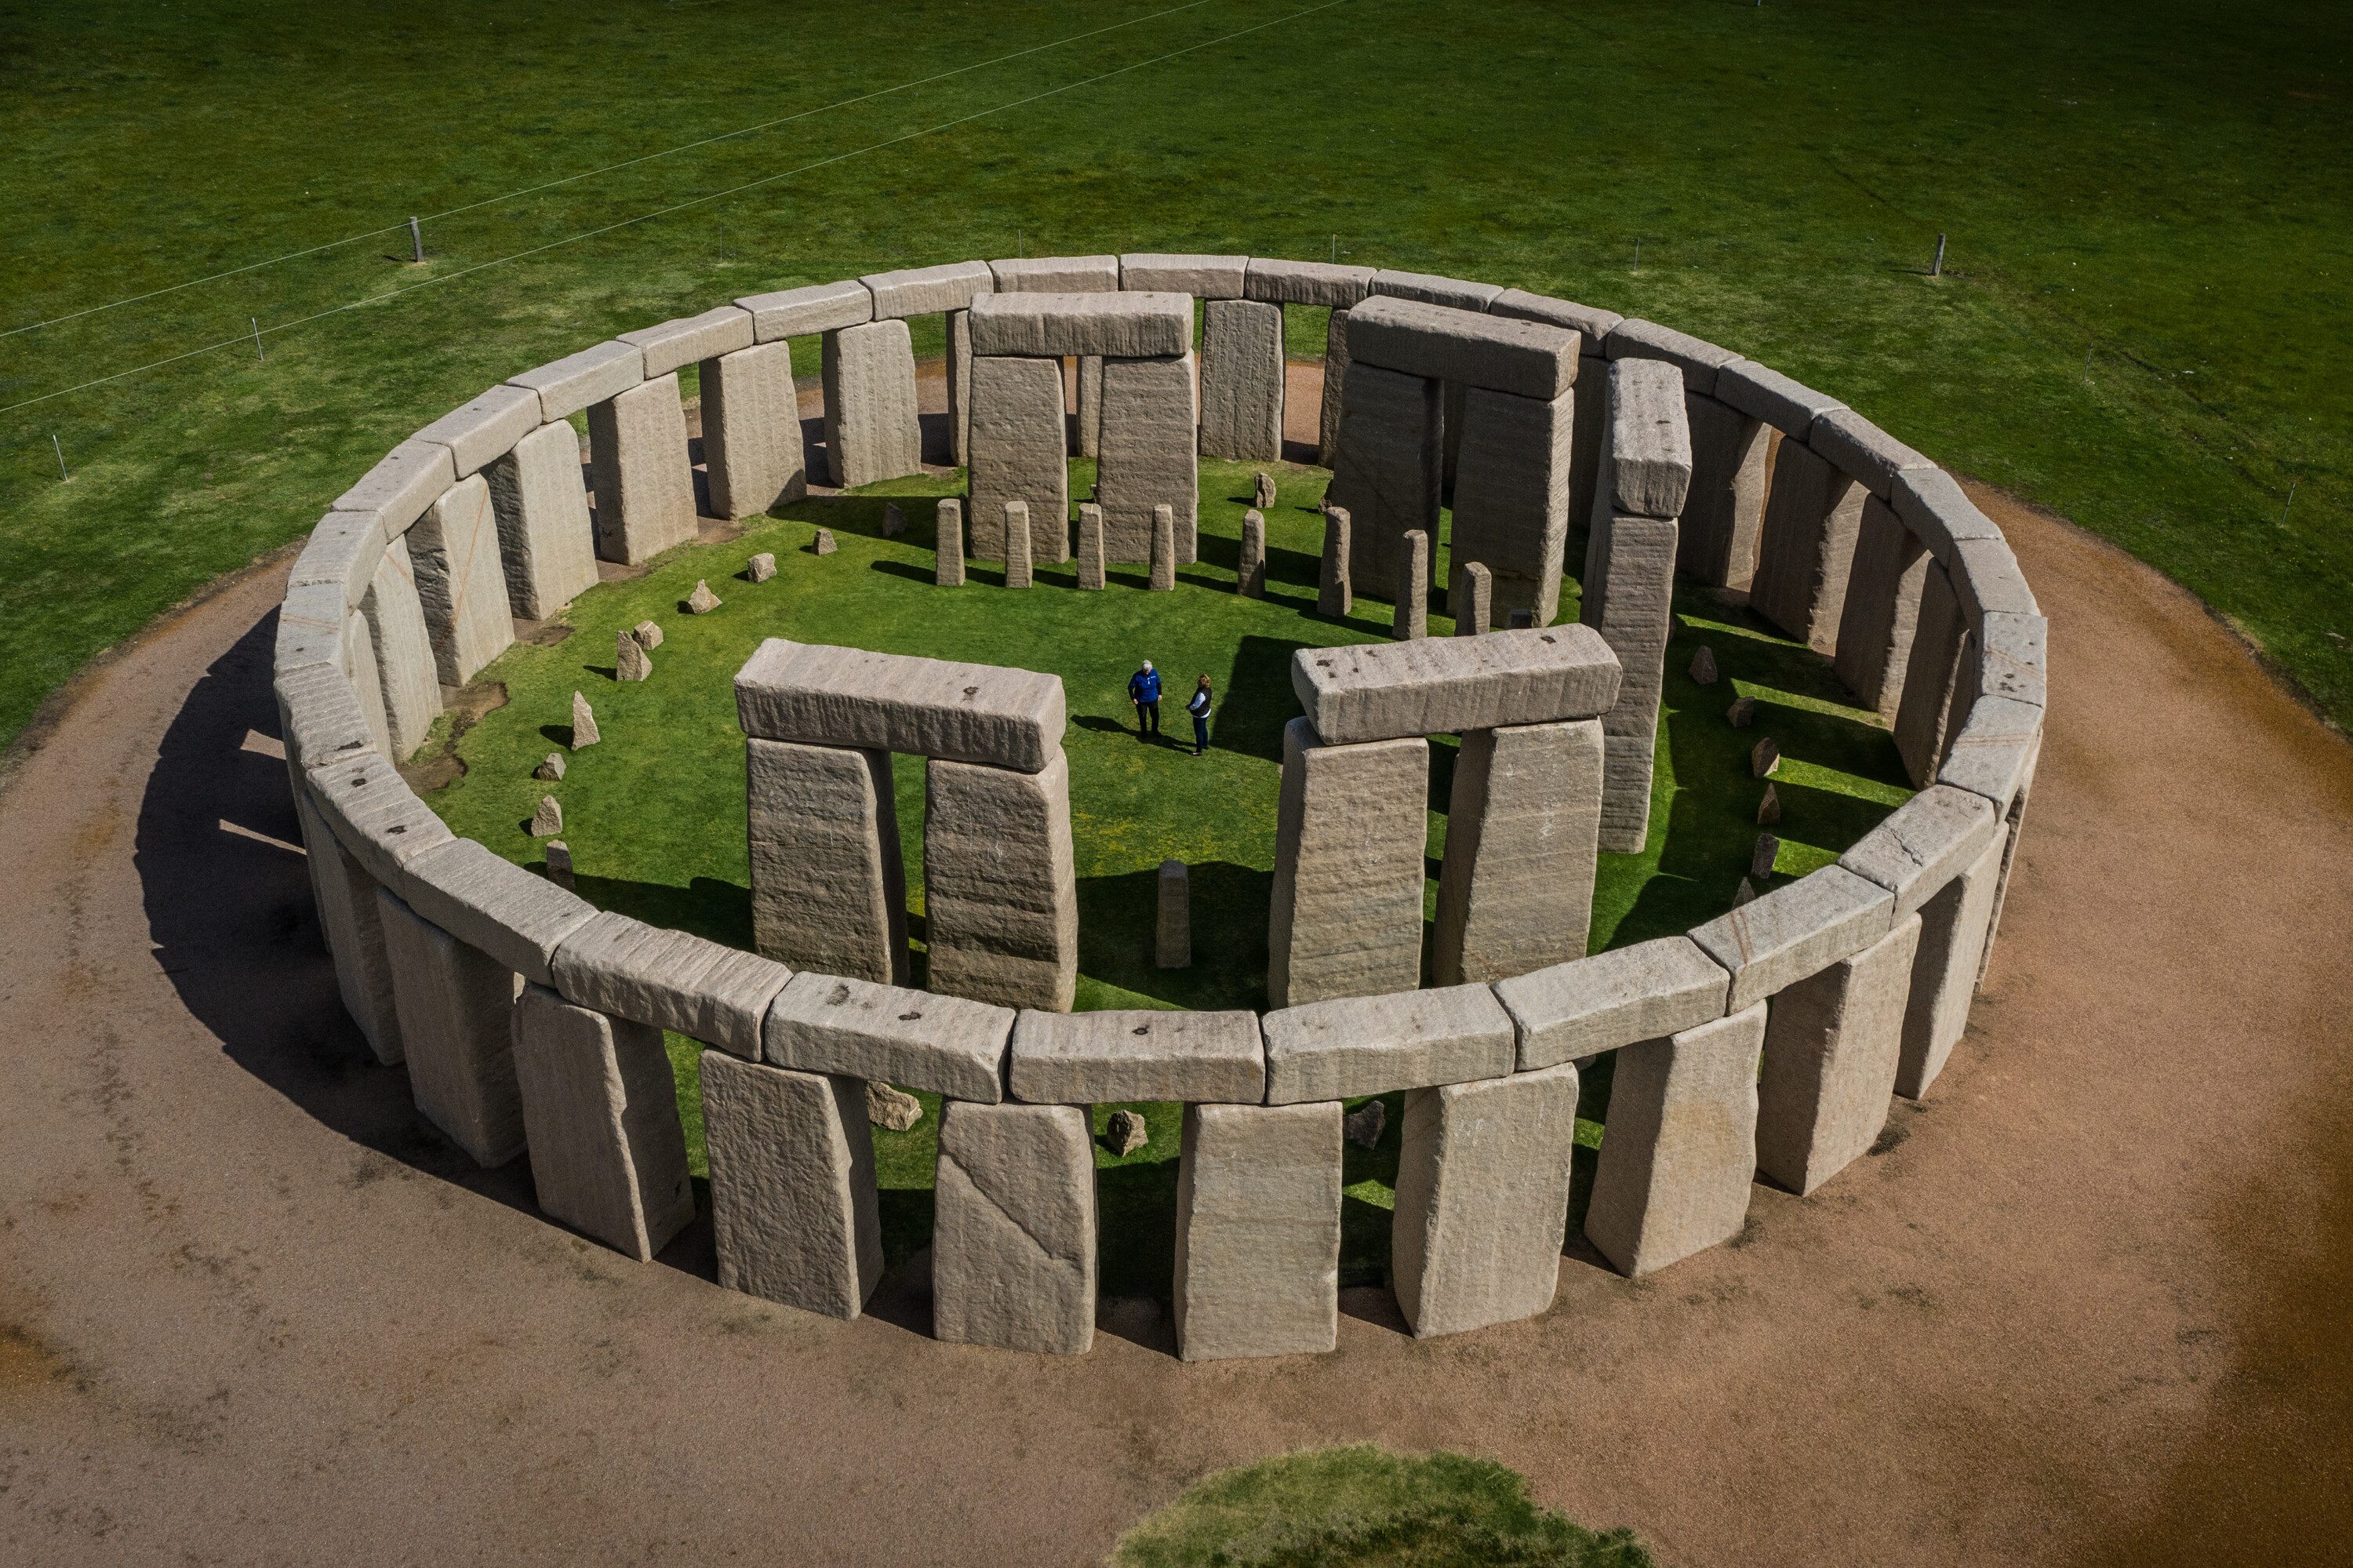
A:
1147	663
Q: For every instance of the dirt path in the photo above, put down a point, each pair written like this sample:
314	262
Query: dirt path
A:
2090	1309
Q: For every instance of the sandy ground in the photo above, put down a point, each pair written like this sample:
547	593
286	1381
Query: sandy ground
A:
2088	1308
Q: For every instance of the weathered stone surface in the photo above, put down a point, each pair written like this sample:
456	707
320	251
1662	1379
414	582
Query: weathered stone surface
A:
548	820
1258	1231
948	530
829	892
1572	1010
793	1210
1592	326
460	586
1015	531
1768	809
1411	617
1372	1045
894	701
403	650
1831	1047
1993	755
1335	381
582	380
1796	932
1013	1245
1629	566
752	431
552	769
1515	892
1765	394
1090	547
2010	656
1249	579
1472	598
824	543
1000	891
1761	858
870	429
669	980
352	922
322	716
1263	489
1511	502
1387	470
629	659
1646	452
1305	282
1986	580
1954	928
401	485
959	386
1334	593
1525	358
559	864
1383	691
1703	672
645	489
584	723
1057	274
825	1024
1164	550
1724	511
1121	325
923	290
1089	401
1930	673
1364	1126
1482	1200
892	1110
375	815
1763	757
1742	713
547	542
762	567
1862	451
485	429
1345	915
1882	610
1697	360
454	1004
1147	454
1203	277
1102	1058
1747	893
1681	1150
600	1112
702	601
1172	943
1017	454
1807	547
1125	1132
341	553
490	904
647	634
1932	505
820	307
674	344
1924	843
1242	379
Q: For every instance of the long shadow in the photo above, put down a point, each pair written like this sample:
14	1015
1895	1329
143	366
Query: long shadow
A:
1258	700
1119	922
707	907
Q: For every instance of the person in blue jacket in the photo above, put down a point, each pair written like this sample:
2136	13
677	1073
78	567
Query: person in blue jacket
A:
1198	706
1144	691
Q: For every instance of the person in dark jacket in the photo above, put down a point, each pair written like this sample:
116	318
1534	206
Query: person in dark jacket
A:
1198	706
1144	691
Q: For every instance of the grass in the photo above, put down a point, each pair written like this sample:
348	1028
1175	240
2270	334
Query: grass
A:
1361	1506
655	816
2149	181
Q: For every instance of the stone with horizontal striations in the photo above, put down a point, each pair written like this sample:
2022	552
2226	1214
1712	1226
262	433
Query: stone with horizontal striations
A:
752	444
1164	550
1103	1058
926	290
1924	843
1573	1011
674	344
820	307
1955	926
701	601
649	635
1763	757
1703	672
353	923
547	543
1125	1132
1090	547
1017	454
1768	809
1013	1243
1512	499
1249	577
1373	1044
944	1045
1016	533
1383	691
1831	1048
460	586
1242	381
552	768
1646	454
1345	915
481	432
1796	932
1387	470
1113	325
1263	490
1172	945
1057	274
1001	910
1630	603
631	662
1471	598
1524	359
1806	549
794	1216
1592	326
1742	713
1682	1148
1203	277
1334	591
948	568
828	890
645	486
454	1002
377	816
895	702
1432	289
1933	505
1258	1231
1515	892
1148	454
1761	858
1335	381
401	485
1411	617
584	723
669	980
582	380
870	427
1305	282
762	567
1695	360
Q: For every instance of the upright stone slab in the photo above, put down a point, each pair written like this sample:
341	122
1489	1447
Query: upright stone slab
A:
460	586
456	1004
1411	617
403	651
1931	668
1335	593
1681	1147
1515	892
1511	496
1258	1231
1250	578
870	429
1148	455
948	569
829	892
352	922
1242	379
1172	947
1014	530
1955	926
1090	547
547	543
959	379
1629	565
1882	609
1482	1200
1723	515
752	431
793	1208
1471	598
1016	455
1807	547
1089	405
1000	891
1831	1048
1013	1239
1387	471
644	484
1164	549
1344	916
600	1112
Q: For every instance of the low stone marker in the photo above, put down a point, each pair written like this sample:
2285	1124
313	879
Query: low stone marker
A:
453	1000
1374	1045
1703	672
1090	547
645	489
1747	893
895	521
1382	690
1164	549
1126	1132
793	1212
548	820
1017	545
1831	1043
1742	713
649	635
1250	578
1515	891
1471	599
1242	379
829	892
870	426
1137	1055
949	570
1258	1231
1332	582
1013	1243
1002	900
760	568
552	769
1761	858
701	601
892	702
1768	809
559	863
547	542
631	662
1172	947
1763	757
1263	490
454	548
945	1045
1411	617
1364	1126
1345	915
888	1108
824	543
1682	1150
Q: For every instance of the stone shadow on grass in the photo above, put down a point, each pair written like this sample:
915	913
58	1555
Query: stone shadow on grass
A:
1256	699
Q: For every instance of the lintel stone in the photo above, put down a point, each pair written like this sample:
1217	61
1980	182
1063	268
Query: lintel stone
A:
568	385
1924	843
1305	282
1430	288
1372	1045
1994	751
1765	394
1781	936
321	719
669	980
798	313
376	814
1444	685
1102	1058
1697	359
487	429
692	339
1120	325
487	902
1203	277
403	483
1988	580
1057	275
1863	452
1527	359
890	702
1646	458
2013	657
1932	503
1591	326
1646	991
345	550
885	1033
927	290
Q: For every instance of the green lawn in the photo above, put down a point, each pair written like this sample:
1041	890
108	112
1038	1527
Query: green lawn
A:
654	815
2159	183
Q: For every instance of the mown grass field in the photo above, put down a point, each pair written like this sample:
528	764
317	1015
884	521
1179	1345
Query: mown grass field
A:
2158	184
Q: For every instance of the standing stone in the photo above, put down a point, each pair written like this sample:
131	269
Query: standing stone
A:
891	1110
1747	894
454	1004
760	568
1482	1200
1336	379
548	820
1091	546
870	429
1807	547
629	659
1763	757
353	924
645	486
1250	578
552	768
1333	595
1149	456
1630	599
1931	669
1089	401
1956	927
794	1216
1000	891
1761	858
584	723
1768	809
559	863
1258	1231
828	890
460	587
1511	504
1681	1149
649	635
1017	454
1164	549
1013	1243
1703	672
1411	617
895	521
1831	1048
1386	473
1263	490
1742	713
1364	1126
1724	511
547	543
406	680
1242	379
600	1113
959	378
1126	1132
1515	891
702	601
1172	947
1351	829
1471	599
948	544
824	543
1015	530
752	431
1882	614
